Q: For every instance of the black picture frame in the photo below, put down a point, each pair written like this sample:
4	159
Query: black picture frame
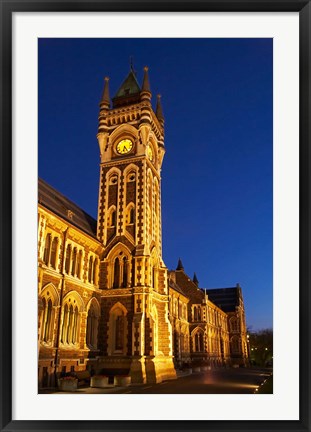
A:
7	9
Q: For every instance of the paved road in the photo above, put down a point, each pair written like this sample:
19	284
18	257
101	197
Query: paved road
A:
215	381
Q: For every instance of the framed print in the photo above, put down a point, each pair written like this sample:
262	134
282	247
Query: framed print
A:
155	215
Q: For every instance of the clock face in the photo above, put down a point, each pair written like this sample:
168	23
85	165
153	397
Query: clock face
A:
150	153
124	146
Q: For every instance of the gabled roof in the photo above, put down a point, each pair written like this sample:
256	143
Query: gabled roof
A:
225	298
65	208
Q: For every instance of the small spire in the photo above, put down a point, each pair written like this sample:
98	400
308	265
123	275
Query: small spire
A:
159	111
179	265
132	65
195	279
105	100
146	85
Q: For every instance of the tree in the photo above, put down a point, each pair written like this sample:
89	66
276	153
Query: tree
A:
261	347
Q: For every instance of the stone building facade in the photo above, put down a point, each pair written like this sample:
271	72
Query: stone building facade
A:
106	300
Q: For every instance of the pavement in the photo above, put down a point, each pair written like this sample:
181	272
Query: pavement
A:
214	381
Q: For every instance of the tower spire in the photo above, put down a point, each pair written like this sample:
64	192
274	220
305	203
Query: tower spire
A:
159	111
145	89
146	85
179	265
105	100
132	65
195	279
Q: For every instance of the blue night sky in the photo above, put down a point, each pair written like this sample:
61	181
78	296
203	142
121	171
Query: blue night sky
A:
217	170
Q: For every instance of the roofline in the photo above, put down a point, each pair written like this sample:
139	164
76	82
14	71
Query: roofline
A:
69	223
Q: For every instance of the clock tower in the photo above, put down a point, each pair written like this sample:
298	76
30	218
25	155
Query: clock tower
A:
135	333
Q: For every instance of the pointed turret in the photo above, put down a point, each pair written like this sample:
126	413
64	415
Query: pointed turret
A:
179	265
105	100
129	91
195	279
145	90
159	111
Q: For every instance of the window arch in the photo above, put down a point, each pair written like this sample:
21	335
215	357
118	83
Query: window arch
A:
90	272
117	337
50	299
73	261
50	250
79	263
68	259
47	249
112	216
131	176
53	252
234	324
130	214
92	324
120	264
116	273
71	320
92	275
235	345
124	282
47	320
198	341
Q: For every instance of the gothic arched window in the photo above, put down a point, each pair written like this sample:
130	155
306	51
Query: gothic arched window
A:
47	249
68	259
112	217
90	272
117	330
70	323
198	342
131	215
92	327
79	263
53	252
47	320
74	262
116	274
65	324
195	314
124	283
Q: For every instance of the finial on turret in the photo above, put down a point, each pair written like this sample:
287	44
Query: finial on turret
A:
159	111
179	265
132	65
146	85
195	279
145	89
105	100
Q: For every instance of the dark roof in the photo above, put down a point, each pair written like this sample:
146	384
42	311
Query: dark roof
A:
225	298
175	287
188	287
129	91
63	207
